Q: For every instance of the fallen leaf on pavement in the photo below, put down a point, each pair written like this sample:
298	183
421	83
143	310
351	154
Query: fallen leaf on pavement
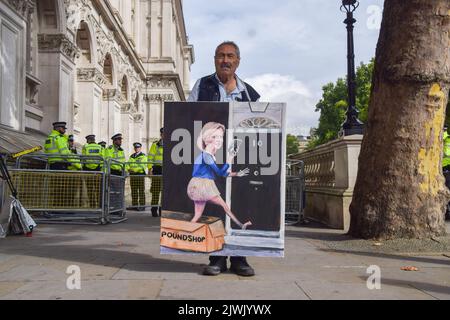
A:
377	244
409	268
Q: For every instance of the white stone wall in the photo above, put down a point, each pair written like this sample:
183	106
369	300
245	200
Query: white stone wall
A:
12	68
59	72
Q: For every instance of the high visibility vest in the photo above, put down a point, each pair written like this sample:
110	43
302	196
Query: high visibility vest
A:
117	154
93	150
56	143
137	163
155	155
75	163
446	159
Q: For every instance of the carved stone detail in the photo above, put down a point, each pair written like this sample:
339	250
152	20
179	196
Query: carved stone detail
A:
156	97
58	43
91	74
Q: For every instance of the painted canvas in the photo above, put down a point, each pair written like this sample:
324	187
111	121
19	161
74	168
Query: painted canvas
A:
223	179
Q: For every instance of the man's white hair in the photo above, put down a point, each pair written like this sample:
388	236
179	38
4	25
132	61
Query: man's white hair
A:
230	43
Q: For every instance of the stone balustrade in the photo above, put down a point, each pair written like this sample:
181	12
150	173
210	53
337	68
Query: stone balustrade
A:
330	176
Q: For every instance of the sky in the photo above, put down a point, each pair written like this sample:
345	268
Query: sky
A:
289	48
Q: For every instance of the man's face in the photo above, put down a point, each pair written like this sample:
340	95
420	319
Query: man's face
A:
118	142
137	149
61	130
226	61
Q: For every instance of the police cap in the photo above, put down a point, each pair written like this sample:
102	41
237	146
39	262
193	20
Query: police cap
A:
59	124
116	136
90	137
137	145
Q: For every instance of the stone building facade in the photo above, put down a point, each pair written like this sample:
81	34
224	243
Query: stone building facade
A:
104	66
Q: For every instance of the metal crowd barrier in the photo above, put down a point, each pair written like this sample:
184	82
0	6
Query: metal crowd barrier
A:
115	191
69	196
295	192
142	191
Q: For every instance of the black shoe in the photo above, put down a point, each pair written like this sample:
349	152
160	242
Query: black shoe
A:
240	266
216	266
154	212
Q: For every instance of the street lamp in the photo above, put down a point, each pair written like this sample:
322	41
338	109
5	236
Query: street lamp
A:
352	124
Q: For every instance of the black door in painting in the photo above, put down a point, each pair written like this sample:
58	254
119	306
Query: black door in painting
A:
257	197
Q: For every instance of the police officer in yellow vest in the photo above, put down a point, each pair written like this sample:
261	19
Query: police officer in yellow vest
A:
56	144
446	165
92	149
116	153
155	160
137	166
75	163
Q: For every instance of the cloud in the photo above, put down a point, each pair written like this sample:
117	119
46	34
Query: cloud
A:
301	115
297	46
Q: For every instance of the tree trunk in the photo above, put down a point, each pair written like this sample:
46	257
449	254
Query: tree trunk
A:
400	190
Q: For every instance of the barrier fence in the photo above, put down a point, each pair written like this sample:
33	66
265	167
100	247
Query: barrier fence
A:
295	192
81	194
142	190
103	195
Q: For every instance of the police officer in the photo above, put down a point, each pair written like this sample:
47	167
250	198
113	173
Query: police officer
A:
92	149
155	160
75	163
116	153
71	142
446	165
137	167
56	144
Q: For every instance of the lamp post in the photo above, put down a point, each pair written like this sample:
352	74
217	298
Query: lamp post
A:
352	124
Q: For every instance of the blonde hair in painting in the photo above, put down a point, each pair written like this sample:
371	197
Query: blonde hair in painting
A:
206	133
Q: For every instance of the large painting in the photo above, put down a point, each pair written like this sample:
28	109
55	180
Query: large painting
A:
223	179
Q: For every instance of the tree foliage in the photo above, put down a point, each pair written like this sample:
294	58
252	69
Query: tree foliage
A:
292	144
333	104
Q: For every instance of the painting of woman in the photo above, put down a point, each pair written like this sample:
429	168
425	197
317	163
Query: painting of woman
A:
202	188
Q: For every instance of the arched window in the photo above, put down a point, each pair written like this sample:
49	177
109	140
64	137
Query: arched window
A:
108	69
84	43
124	88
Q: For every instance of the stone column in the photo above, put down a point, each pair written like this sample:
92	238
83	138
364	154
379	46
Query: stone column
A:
167	29
155	29
127	131
111	114
89	98
57	72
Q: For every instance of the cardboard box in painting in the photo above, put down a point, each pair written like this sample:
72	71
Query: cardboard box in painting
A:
177	232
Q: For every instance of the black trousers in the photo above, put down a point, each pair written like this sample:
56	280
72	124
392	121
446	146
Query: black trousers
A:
156	187
116	172
214	259
93	188
62	166
59	196
137	184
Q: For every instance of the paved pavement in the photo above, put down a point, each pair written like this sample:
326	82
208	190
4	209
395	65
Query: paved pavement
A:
123	262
